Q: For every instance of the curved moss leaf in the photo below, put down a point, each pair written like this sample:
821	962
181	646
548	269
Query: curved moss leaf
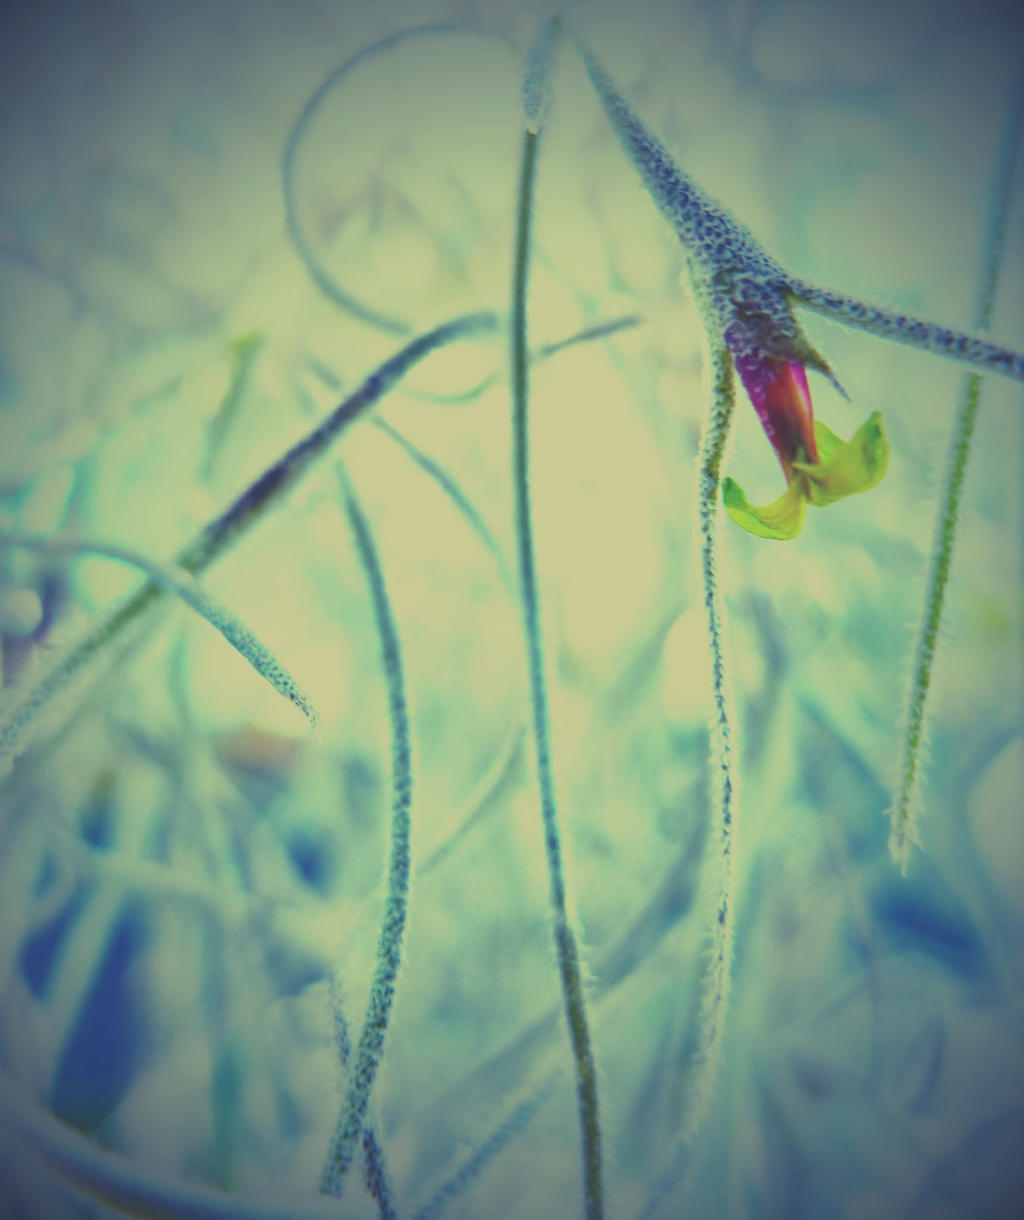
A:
175	581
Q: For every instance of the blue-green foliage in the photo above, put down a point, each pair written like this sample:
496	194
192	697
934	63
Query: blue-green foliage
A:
297	960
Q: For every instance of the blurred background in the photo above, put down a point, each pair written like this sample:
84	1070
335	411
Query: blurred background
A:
182	866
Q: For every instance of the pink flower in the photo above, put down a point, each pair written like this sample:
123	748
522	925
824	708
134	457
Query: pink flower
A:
782	399
819	467
746	299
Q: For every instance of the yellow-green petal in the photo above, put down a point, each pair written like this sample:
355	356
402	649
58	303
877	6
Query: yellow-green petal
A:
846	468
783	518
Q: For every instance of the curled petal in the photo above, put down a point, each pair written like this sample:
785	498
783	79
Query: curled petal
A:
782	519
845	467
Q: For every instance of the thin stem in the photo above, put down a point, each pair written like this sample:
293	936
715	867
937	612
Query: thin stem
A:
903	814
480	802
717	979
389	946
600	330
905	328
452	490
244	353
565	940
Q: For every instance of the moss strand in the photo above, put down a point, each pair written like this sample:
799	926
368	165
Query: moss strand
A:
565	940
910	330
368	1050
903	814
